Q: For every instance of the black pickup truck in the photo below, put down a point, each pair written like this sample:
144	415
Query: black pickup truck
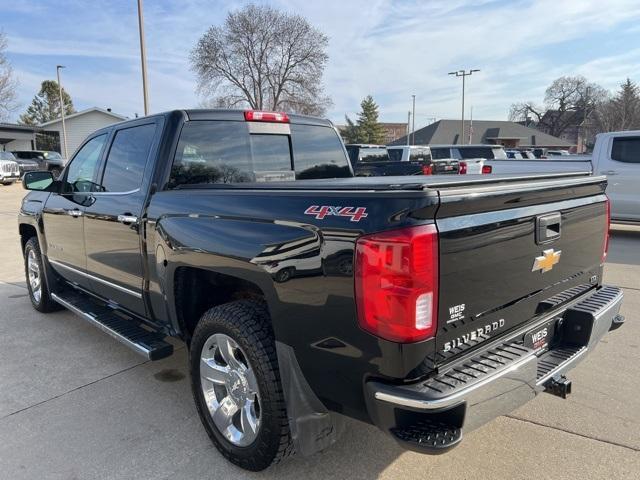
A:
426	305
377	160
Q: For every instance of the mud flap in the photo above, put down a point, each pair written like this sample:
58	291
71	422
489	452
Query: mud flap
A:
313	427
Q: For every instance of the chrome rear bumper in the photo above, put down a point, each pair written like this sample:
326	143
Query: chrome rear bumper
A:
497	380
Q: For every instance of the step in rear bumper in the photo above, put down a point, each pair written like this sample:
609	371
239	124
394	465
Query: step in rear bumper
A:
498	379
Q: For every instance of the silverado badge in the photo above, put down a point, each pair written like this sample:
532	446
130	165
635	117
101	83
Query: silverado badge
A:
547	260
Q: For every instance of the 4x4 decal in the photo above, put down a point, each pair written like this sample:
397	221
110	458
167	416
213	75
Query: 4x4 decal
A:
355	213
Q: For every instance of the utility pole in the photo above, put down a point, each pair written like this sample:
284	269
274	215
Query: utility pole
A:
62	107
408	123
413	127
583	147
143	58
463	74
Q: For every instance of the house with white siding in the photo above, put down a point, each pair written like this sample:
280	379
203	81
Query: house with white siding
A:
80	124
17	137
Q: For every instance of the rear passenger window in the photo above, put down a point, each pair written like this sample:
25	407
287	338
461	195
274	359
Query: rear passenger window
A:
127	158
441	153
395	154
373	155
318	152
420	155
476	152
626	149
212	152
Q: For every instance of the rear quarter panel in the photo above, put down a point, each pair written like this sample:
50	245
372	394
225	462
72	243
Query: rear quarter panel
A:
252	235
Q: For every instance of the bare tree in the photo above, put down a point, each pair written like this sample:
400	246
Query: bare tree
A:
525	112
568	101
264	59
8	83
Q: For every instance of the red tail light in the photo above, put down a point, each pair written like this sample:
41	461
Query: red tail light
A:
258	116
486	169
463	168
607	232
396	283
427	169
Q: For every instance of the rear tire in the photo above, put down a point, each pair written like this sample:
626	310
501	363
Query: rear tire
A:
39	292
236	339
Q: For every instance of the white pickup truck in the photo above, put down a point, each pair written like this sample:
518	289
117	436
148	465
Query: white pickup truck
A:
616	154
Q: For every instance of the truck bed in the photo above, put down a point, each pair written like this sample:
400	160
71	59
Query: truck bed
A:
399	183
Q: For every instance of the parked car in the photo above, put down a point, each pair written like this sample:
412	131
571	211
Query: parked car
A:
440	307
545	153
420	156
378	160
9	169
615	154
24	165
473	157
46	160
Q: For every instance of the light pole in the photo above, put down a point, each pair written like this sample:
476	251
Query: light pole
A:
408	123
463	74
413	121
62	107
143	58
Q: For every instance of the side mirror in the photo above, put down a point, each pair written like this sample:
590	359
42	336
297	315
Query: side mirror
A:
37	180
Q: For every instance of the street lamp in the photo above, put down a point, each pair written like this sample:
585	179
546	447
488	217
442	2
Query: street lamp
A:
463	74
62	107
413	120
143	58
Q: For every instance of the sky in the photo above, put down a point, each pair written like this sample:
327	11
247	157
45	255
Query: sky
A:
389	49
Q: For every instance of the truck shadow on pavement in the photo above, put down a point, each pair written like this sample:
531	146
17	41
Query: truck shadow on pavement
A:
91	406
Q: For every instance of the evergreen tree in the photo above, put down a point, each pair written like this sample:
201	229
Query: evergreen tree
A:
627	106
46	105
350	132
369	129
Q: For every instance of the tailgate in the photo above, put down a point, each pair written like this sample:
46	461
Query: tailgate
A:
445	167
507	249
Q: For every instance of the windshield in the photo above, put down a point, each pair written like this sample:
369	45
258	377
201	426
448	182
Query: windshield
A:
7	156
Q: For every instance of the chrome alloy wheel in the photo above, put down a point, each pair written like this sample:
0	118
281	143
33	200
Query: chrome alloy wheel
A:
230	390
35	279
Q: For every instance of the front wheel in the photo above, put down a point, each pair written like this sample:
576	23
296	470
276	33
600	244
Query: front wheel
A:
236	385
39	293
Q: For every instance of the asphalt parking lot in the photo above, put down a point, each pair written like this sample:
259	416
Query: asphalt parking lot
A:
75	404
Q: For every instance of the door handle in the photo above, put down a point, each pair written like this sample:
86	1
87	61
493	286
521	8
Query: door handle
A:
609	172
127	219
74	213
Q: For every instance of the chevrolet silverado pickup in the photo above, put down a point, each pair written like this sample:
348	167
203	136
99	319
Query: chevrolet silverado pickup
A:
615	154
425	305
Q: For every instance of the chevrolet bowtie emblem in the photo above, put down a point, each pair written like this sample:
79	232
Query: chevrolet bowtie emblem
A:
547	260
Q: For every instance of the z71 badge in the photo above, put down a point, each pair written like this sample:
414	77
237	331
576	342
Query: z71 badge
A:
354	213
